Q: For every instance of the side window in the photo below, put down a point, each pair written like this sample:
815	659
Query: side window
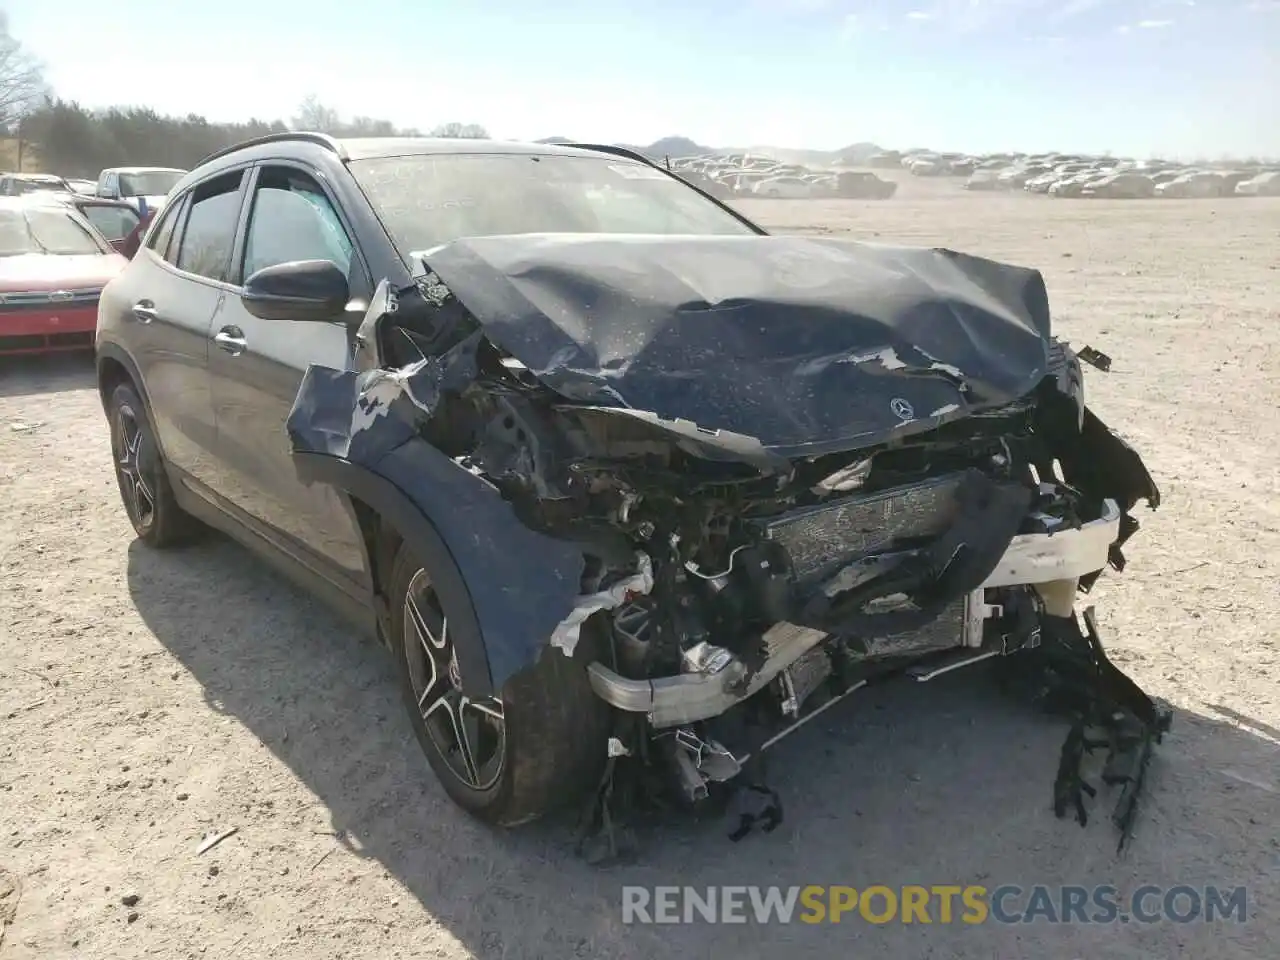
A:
163	233
211	228
292	219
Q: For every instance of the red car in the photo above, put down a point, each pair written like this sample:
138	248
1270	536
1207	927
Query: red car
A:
53	266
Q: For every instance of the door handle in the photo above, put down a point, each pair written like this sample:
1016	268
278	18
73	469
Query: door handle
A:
144	311
231	339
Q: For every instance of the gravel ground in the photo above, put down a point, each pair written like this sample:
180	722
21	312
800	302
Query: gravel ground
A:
149	699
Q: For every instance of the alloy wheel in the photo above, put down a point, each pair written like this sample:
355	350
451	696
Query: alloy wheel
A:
469	735
139	498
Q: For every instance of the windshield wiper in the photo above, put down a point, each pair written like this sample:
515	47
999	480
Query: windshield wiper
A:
34	239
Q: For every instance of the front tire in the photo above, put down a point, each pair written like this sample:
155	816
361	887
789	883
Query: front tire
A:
537	746
140	474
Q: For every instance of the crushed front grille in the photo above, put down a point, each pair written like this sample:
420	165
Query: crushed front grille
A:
819	540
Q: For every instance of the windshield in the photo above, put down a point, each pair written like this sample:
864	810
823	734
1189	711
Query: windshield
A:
44	232
427	200
36	186
149	183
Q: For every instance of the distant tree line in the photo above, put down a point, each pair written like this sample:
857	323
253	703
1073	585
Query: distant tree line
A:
64	137
76	141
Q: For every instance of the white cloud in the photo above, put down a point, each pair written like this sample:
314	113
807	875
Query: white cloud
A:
857	24
1074	8
1264	6
919	15
1154	24
1123	28
792	6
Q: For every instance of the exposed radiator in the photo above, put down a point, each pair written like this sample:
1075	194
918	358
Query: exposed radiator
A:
820	540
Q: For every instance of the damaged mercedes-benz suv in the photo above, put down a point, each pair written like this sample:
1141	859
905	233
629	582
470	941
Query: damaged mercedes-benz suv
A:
635	483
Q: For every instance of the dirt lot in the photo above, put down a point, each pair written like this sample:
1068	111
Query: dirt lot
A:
148	699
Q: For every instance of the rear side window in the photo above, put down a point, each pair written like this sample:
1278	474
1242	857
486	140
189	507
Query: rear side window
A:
163	234
210	233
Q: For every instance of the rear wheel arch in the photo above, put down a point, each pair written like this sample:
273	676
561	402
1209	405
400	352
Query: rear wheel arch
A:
115	367
111	373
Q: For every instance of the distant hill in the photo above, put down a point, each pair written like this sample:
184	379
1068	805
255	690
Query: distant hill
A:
855	154
858	153
673	147
666	147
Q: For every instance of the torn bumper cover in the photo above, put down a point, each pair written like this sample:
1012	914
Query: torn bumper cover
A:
1030	559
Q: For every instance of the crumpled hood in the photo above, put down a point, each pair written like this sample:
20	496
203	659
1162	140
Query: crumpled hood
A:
807	345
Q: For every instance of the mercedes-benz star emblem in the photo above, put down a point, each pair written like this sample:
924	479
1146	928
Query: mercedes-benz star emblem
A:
902	409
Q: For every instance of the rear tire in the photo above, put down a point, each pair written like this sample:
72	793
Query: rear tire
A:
537	746
141	476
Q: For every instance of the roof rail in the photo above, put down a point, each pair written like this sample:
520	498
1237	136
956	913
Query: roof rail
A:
613	149
302	136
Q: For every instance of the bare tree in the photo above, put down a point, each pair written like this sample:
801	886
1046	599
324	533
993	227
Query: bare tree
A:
315	116
466	131
21	79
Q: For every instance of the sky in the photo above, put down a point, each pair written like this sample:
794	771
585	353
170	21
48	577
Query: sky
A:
1179	78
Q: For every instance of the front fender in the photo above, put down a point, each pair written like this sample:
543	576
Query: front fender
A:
505	587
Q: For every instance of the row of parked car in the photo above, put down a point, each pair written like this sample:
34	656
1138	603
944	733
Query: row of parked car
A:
740	174
1123	179
61	240
140	187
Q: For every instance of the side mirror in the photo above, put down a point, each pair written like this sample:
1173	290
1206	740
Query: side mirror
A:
298	290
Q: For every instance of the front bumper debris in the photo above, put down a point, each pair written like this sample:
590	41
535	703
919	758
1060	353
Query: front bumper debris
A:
1036	558
1071	675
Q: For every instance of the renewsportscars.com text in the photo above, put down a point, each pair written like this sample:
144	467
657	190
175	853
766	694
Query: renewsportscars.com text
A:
939	903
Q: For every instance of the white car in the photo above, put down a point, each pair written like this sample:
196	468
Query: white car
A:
1072	186
788	188
139	186
982	180
1195	186
1042	183
1263	185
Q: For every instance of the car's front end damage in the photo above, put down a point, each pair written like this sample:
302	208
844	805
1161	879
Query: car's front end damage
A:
762	471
